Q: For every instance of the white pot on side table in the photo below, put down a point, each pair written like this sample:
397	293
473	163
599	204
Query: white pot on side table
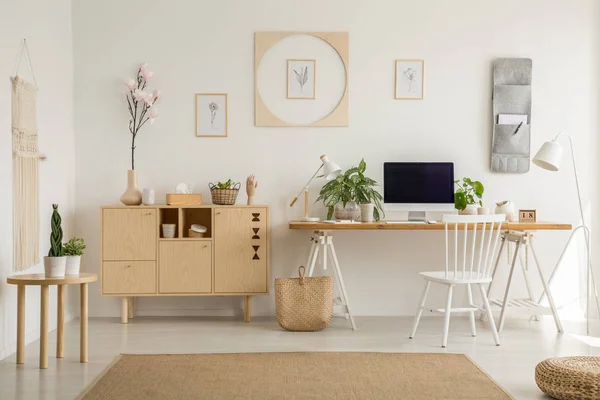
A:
54	267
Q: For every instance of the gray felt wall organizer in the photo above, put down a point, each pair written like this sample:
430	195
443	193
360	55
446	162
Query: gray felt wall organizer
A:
512	95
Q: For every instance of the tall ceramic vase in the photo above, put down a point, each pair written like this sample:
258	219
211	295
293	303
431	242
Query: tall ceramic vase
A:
132	196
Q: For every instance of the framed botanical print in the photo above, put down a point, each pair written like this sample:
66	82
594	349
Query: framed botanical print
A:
301	82
410	79
211	115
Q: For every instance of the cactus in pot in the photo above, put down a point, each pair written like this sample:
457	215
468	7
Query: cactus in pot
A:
55	262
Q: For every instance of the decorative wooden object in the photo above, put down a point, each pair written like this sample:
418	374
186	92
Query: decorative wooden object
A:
44	283
180	199
263	41
527	216
251	186
232	259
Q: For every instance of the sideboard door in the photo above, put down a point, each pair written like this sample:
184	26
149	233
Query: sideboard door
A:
129	234
240	250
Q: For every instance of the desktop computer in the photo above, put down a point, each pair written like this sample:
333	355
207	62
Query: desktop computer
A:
418	187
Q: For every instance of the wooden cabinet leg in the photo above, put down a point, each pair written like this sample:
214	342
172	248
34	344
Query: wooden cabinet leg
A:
44	290
247	308
60	321
83	324
130	307
124	310
20	324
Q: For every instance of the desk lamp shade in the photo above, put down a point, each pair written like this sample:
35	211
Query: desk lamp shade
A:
549	155
330	169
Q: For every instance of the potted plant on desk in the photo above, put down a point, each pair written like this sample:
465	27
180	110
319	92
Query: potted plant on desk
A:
342	194
55	262
73	251
468	196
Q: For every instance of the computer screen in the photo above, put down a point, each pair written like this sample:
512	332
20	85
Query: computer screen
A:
418	182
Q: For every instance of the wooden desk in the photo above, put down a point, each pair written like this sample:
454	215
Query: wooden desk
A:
383	225
41	280
519	233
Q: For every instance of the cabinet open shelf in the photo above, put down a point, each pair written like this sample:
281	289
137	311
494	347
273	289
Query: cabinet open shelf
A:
200	216
168	216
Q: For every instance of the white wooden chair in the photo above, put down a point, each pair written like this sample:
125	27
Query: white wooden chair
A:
472	264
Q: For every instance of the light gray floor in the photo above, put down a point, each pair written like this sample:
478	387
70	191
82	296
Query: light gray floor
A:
512	364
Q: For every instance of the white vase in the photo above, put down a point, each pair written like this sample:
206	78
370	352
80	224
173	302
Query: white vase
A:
132	195
507	208
73	265
470	210
366	212
148	197
54	267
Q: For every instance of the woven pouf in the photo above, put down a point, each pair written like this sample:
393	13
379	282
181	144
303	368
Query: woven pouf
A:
569	378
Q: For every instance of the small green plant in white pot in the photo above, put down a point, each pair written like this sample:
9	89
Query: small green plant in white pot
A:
55	262
73	251
468	196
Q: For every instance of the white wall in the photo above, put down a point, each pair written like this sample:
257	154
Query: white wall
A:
47	27
207	46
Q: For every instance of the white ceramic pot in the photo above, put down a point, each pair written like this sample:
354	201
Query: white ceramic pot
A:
366	212
148	197
73	265
507	208
54	267
470	210
483	211
168	230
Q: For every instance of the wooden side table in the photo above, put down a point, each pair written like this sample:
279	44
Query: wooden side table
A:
41	280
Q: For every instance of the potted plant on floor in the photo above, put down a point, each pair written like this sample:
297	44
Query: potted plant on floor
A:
468	196
55	262
342	194
73	250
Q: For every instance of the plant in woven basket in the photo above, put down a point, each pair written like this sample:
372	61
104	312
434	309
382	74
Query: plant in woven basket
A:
352	185
56	247
224	185
224	193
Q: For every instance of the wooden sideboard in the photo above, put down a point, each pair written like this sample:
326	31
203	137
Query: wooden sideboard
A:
232	259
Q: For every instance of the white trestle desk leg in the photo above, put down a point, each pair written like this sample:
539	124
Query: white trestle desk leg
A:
420	311
547	290
338	273
327	238
309	262
506	293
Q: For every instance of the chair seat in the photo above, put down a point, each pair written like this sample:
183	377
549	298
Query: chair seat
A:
440	276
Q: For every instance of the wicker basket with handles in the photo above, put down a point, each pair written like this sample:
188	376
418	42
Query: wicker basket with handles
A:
224	197
304	304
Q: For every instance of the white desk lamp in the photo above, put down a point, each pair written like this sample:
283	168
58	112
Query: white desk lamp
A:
549	158
330	171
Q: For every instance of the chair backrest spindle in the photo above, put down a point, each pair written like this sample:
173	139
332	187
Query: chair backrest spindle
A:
484	244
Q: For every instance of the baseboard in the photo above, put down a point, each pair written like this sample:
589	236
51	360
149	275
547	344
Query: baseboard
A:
187	312
30	337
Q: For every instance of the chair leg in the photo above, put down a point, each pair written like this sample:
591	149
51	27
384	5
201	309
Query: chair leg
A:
447	316
488	311
472	313
420	310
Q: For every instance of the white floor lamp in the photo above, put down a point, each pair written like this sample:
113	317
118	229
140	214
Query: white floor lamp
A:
330	171
549	158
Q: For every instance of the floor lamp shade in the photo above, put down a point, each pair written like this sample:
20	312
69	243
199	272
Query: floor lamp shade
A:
549	156
330	169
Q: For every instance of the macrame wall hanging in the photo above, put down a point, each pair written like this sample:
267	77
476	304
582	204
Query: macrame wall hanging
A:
26	158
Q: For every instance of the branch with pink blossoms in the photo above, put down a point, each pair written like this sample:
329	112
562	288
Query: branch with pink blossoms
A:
140	103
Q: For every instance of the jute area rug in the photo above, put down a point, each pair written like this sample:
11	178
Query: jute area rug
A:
263	376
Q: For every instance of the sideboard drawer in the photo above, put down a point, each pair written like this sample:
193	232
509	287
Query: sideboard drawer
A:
129	277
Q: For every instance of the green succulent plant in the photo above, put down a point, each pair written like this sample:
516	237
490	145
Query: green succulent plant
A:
74	247
56	236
